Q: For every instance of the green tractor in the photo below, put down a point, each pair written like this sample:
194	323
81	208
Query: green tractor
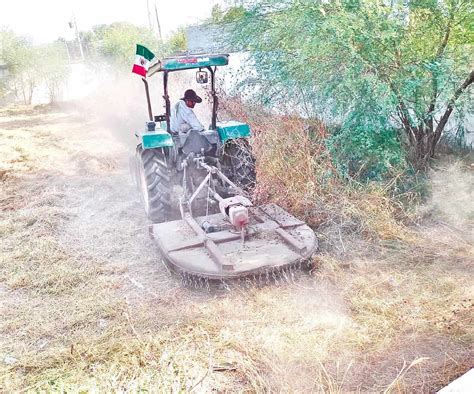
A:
163	160
196	190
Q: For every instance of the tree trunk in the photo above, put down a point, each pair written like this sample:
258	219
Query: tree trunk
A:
31	89
421	147
423	139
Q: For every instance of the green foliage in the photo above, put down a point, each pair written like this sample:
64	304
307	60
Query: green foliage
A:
217	13
176	43
18	55
232	14
366	146
115	43
365	152
14	51
369	68
30	66
52	68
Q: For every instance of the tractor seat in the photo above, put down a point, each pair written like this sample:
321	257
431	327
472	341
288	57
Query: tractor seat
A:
195	143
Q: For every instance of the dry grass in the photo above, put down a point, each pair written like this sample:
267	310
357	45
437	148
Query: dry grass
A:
294	169
86	307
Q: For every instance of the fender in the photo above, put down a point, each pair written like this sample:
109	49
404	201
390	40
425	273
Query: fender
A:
158	138
232	129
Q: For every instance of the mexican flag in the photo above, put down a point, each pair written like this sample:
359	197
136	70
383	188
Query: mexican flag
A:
143	59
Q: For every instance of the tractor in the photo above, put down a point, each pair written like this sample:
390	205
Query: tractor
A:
163	159
196	188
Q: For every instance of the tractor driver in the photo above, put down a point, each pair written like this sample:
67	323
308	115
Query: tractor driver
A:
183	118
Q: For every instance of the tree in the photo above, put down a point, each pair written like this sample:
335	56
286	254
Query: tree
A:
19	56
51	65
30	66
375	67
217	13
176	43
116	42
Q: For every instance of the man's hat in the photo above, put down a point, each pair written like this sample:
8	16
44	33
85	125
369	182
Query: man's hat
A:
191	96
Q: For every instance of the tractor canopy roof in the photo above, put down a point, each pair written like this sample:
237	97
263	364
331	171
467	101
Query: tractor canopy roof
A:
187	62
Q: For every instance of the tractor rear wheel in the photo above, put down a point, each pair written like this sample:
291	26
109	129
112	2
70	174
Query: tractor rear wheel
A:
242	164
154	179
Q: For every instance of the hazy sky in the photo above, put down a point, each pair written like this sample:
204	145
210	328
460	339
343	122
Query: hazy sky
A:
46	20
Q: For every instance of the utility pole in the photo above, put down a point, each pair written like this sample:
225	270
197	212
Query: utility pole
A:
78	37
160	37
67	50
150	26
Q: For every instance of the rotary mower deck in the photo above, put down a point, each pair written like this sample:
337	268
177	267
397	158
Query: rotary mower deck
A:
274	242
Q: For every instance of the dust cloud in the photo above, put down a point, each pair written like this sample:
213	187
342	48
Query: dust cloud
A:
452	192
116	100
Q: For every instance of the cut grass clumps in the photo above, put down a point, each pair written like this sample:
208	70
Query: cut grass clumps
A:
33	258
120	353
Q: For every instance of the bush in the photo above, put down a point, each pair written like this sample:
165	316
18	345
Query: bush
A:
295	170
31	65
369	67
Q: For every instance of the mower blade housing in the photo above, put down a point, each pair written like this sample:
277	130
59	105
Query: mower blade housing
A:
274	240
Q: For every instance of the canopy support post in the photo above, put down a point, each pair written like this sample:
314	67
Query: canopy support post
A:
215	101
147	91
167	101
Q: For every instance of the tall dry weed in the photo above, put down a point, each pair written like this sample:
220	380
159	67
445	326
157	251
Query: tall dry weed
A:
295	170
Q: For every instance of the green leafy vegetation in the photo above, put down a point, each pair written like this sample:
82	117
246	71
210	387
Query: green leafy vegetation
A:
176	42
29	66
387	76
218	15
115	43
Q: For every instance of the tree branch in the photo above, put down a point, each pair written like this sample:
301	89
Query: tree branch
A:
403	112
434	82
444	119
444	42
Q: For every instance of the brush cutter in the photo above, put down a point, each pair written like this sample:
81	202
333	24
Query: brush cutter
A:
196	189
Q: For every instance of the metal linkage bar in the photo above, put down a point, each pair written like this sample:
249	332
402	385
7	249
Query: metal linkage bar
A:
209	244
289	239
147	92
212	171
215	100
217	238
264	217
215	170
167	101
200	187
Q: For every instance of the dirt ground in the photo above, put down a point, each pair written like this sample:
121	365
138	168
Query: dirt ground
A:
86	303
